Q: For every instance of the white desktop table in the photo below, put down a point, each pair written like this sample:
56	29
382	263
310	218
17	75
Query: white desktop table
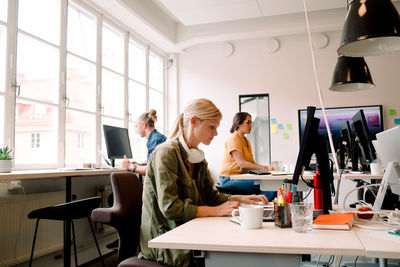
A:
227	244
271	182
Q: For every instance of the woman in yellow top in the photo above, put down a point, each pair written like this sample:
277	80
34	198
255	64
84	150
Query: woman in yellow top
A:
238	158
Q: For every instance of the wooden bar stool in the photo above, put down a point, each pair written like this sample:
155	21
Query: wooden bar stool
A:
67	212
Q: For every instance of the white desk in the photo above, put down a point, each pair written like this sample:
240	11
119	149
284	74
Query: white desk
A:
226	244
271	182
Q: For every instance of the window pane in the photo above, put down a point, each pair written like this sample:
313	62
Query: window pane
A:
137	100
3	10
137	62
113	49
36	133
156	102
40	18
81	84
81	33
1	121
112	95
156	74
138	145
80	138
37	81
3	40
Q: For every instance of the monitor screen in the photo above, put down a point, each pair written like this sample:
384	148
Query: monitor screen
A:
117	142
338	116
361	129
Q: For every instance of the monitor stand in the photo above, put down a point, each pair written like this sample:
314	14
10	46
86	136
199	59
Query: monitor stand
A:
391	176
326	172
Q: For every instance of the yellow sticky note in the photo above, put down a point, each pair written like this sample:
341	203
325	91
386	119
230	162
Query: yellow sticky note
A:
285	135
274	128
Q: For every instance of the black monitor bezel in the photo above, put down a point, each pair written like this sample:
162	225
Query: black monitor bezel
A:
361	131
125	134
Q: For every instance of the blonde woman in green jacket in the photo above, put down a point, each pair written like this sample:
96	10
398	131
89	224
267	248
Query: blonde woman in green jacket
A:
178	186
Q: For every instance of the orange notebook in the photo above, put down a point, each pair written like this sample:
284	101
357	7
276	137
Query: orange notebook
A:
336	221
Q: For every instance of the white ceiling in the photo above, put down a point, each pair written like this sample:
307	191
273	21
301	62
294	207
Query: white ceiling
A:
174	25
195	12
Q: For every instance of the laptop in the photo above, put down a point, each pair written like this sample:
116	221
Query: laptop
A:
269	213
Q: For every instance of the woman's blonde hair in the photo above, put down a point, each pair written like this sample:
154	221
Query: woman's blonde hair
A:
201	108
149	117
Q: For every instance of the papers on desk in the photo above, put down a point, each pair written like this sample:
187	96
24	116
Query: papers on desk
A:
75	169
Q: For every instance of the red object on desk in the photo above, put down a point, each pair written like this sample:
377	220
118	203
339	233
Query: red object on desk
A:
318	201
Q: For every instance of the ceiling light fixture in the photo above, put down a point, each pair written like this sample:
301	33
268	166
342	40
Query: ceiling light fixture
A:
351	74
372	27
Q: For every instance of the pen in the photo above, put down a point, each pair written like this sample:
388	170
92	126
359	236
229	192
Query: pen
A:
393	233
293	191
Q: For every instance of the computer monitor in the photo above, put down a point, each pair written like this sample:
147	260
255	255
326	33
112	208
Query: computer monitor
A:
338	115
311	143
117	143
346	147
363	139
389	147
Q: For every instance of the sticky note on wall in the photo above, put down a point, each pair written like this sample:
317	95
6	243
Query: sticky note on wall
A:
397	121
280	126
273	120
274	128
285	135
289	126
392	111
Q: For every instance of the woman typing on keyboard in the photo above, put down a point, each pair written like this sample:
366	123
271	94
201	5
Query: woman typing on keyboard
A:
178	186
238	158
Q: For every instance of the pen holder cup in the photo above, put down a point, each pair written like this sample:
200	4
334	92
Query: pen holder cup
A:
282	216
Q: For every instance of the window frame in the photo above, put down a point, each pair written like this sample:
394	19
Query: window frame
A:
11	88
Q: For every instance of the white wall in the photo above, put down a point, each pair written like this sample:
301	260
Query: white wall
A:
287	76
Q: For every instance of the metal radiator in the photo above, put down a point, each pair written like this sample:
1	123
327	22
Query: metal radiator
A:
16	230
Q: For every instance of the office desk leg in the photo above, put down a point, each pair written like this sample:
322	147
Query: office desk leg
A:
67	225
231	259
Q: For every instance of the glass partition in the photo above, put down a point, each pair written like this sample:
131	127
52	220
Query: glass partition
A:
258	107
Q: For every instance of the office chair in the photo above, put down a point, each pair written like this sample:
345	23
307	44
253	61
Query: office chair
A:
125	217
67	212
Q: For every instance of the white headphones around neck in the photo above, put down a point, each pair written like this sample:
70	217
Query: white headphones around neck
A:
195	155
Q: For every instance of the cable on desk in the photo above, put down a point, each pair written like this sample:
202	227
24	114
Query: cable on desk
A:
355	261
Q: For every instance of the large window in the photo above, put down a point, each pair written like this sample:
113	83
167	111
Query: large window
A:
66	90
80	126
156	92
3	39
38	78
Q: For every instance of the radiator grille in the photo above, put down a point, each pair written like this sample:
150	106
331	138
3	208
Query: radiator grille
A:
16	230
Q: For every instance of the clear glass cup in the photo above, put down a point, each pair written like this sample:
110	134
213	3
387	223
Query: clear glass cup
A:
302	216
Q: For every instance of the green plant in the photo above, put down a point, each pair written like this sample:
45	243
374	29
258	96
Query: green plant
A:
5	153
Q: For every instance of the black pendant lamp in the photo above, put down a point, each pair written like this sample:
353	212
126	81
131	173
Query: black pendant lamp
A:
372	27
351	74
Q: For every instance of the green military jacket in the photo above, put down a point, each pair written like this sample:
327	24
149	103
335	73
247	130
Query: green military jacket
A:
171	197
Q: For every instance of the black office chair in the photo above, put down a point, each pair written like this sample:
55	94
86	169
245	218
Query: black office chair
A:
68	211
125	217
230	191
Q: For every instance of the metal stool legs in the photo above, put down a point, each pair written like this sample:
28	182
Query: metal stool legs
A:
74	240
34	241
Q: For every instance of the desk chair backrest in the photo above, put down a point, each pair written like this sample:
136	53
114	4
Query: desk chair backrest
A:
125	214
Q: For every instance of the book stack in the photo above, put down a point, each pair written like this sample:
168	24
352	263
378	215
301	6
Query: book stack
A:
336	221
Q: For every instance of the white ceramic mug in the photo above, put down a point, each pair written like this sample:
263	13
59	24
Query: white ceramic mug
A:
376	168
250	216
